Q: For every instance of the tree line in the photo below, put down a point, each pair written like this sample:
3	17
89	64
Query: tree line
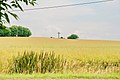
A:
14	31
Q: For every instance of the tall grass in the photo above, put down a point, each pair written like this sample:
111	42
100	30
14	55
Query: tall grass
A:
1	66
95	66
31	62
49	62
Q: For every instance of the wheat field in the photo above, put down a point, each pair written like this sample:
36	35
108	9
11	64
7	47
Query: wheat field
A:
89	52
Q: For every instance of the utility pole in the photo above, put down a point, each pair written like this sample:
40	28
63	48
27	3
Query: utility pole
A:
58	34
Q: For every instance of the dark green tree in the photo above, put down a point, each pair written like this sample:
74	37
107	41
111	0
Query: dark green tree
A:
7	5
26	32
4	31
14	30
73	36
23	32
7	32
1	33
3	27
20	31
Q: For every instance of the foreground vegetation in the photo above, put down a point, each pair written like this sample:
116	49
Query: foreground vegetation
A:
31	62
60	76
60	56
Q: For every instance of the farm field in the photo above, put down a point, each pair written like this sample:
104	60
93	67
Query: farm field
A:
92	56
69	48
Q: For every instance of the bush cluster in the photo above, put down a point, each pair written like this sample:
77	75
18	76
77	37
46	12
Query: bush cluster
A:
14	31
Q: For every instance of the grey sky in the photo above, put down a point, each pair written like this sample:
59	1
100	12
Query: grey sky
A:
94	21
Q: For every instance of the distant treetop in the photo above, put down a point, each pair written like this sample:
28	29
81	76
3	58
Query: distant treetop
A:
14	31
73	36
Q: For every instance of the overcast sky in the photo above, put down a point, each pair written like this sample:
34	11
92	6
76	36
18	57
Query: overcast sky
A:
93	21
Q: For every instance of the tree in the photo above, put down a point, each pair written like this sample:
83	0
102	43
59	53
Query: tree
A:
14	30
3	27
4	31
73	36
20	31
1	30
1	33
7	5
23	32
7	32
26	32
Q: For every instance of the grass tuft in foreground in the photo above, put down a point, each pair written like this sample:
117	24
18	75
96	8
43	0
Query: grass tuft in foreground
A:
31	62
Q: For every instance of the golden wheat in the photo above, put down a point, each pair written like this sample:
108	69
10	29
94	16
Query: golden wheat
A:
79	51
